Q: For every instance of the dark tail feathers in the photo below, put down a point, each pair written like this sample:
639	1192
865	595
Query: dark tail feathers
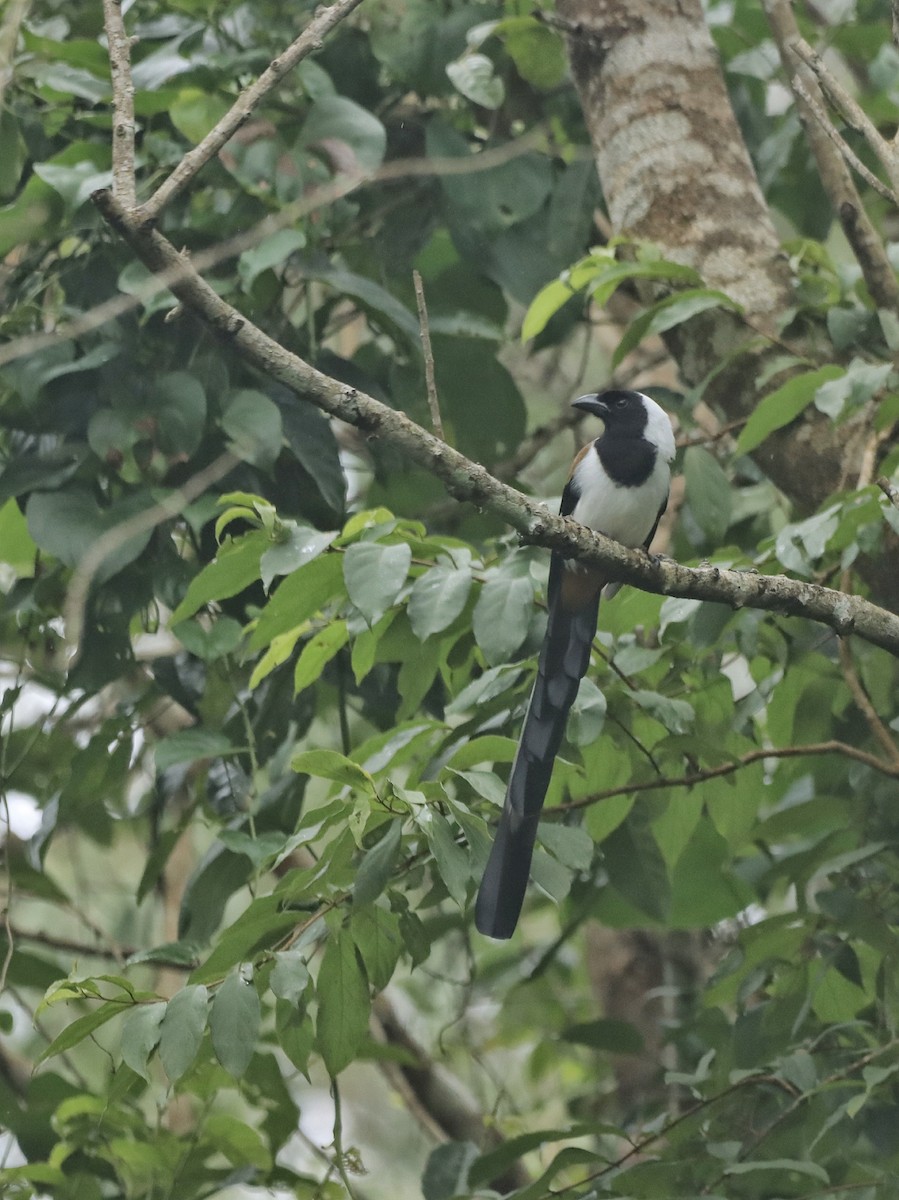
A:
564	658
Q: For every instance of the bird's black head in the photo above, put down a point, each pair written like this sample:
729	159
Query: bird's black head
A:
621	410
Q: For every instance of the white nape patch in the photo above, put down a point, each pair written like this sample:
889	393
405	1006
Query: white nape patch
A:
658	428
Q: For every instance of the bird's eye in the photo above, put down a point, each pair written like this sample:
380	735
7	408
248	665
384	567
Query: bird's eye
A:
621	401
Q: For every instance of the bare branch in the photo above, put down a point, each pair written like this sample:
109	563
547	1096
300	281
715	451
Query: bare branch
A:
866	708
851	111
467	480
835	175
430	381
842	145
310	39
123	178
889	490
691	778
13	16
437	1101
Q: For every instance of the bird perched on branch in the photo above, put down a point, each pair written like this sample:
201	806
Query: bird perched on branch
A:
618	486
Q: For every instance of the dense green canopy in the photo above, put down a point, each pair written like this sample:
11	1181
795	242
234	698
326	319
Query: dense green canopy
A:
263	673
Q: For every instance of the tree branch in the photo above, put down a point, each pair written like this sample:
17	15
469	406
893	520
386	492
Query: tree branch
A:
833	170
467	480
310	39
852	112
123	178
434	1099
890	769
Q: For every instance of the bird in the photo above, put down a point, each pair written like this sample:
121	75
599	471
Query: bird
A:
619	486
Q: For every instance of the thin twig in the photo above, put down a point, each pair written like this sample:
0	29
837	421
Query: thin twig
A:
13	16
430	381
865	707
835	175
851	111
889	490
751	756
119	47
309	40
842	145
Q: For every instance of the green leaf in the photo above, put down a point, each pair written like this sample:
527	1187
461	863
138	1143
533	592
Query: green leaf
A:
16	545
676	715
637	869
375	574
329	764
783	405
75	182
236	566
704	887
301	546
290	976
451	859
570	844
190	745
310	436
210	642
614	273
373	296
708	493
302	595
178	403
195	112
258	926
502	615
437	599
376	933
343	1003
234	1023
318	652
338	119
616	1037
67	524
537	51
140	1036
253	422
860	383
377	865
182	1029
673	310
473	76
272	251
489	202
243	1146
588	714
549	300
81	1028
446	1172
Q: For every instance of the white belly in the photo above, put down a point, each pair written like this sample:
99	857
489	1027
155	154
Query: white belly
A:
626	514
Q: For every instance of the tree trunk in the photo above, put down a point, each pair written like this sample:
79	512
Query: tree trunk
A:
675	171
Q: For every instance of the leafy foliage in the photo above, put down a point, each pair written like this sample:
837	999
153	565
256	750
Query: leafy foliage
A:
266	783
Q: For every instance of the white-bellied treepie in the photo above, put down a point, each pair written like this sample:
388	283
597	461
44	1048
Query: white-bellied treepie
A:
618	486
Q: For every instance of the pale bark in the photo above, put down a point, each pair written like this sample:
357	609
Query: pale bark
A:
675	172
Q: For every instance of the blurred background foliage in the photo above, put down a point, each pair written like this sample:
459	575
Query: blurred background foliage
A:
244	824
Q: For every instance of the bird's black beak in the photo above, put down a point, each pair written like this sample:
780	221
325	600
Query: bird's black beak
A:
591	404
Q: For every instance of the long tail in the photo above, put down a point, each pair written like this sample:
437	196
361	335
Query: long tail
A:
564	658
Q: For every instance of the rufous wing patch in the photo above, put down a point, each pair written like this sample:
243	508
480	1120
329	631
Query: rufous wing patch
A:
579	587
